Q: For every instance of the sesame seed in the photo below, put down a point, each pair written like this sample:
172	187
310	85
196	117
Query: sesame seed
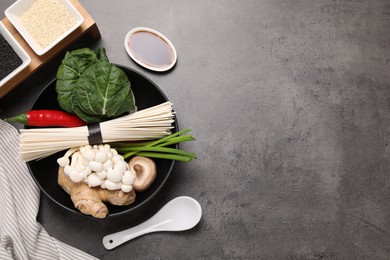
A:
46	21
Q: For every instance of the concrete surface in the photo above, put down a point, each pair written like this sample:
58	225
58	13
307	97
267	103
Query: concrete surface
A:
290	105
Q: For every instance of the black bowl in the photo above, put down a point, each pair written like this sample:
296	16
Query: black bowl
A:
45	171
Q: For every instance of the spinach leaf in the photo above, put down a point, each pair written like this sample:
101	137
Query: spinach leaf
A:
101	54
103	90
89	86
70	70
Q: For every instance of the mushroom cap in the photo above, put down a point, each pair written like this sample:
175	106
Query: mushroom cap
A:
145	172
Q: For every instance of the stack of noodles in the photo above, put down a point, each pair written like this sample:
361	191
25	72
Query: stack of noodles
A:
147	124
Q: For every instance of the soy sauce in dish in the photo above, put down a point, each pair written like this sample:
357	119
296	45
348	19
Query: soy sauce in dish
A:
150	49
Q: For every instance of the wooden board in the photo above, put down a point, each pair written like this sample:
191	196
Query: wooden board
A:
87	27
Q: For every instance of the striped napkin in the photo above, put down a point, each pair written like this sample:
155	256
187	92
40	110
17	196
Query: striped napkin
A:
21	236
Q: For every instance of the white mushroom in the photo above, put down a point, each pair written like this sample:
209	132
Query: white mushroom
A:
89	155
114	174
100	156
117	158
96	166
85	172
113	152
121	166
93	180
75	176
128	177
63	161
75	158
67	169
105	148
107	164
112	185
102	175
126	188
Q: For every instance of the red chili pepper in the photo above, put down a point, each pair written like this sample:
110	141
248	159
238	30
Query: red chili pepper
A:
47	118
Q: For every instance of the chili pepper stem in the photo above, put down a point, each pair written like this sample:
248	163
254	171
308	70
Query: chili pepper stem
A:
22	118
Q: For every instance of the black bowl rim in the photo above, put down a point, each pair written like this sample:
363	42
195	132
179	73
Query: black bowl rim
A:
131	209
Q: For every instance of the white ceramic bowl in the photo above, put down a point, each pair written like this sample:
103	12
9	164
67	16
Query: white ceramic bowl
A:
151	49
18	50
14	12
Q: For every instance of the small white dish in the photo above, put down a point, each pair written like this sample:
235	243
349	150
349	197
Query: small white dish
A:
150	49
14	12
26	60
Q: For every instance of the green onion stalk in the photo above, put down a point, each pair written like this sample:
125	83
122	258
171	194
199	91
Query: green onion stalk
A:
158	148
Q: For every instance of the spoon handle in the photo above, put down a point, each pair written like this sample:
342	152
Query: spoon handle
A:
115	239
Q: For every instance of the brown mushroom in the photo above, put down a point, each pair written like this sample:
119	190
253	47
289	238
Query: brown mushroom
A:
145	172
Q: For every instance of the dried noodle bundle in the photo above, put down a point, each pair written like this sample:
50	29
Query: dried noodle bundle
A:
147	124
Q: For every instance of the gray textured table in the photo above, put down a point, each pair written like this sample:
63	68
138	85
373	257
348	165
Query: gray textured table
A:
290	104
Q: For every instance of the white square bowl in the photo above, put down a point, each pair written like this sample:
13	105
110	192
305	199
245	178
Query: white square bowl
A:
14	12
18	50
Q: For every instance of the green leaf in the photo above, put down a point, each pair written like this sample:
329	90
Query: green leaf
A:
91	87
104	90
101	55
70	70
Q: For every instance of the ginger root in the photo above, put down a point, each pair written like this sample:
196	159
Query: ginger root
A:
90	200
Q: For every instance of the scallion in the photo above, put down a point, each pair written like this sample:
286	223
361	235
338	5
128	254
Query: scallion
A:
158	148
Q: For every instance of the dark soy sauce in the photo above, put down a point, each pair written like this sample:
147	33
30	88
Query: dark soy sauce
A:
150	49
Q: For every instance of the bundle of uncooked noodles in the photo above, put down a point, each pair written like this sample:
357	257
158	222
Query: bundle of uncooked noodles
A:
147	124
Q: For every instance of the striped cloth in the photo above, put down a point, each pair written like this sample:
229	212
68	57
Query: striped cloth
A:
21	236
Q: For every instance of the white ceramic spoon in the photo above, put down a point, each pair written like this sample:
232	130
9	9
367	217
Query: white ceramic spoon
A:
181	213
